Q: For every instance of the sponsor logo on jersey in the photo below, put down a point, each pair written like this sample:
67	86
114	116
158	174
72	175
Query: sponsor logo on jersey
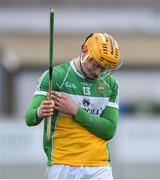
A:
70	85
101	87
91	108
86	102
95	111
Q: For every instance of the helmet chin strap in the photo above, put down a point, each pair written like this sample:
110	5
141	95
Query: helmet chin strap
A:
81	66
82	61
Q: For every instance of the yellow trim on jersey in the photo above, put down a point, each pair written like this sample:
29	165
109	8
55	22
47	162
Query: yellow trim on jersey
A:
74	145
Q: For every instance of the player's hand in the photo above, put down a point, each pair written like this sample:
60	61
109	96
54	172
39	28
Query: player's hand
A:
46	108
64	103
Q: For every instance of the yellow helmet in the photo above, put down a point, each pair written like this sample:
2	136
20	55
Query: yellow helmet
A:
103	49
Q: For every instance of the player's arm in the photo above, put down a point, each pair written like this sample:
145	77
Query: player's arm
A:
39	107
31	116
103	126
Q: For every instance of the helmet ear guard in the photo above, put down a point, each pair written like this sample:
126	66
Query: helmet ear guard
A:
103	49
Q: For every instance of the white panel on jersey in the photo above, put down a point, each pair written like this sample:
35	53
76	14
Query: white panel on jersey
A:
93	105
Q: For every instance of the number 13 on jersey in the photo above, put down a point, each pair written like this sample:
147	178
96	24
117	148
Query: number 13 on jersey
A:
86	90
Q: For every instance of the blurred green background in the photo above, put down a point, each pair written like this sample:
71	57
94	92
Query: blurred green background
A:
24	55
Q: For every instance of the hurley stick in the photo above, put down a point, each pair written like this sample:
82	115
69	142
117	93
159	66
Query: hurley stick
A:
50	69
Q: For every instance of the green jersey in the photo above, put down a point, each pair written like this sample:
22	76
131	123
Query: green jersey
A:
81	140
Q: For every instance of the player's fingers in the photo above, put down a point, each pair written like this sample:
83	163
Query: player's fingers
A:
58	94
49	103
57	104
56	98
47	110
57	108
52	102
47	114
46	102
47	107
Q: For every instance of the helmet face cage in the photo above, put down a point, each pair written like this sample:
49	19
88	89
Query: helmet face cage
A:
106	72
102	48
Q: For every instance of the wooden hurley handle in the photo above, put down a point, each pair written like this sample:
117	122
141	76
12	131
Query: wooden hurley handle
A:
50	117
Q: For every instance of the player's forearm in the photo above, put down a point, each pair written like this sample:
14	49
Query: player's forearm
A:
103	127
31	117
